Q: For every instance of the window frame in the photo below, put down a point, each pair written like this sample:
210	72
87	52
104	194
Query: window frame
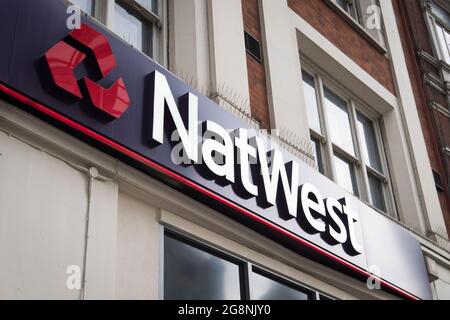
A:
93	9
147	28
446	29
104	12
247	265
353	9
378	40
212	251
252	269
328	148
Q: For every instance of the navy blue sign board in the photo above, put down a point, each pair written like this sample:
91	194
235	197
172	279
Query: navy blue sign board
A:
28	29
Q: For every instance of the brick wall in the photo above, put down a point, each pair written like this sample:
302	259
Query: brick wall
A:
414	36
256	74
331	25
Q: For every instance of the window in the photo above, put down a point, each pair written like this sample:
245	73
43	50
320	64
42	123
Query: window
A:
365	17
443	37
346	140
317	149
440	21
440	13
339	122
325	298
132	28
86	6
369	145
150	5
138	22
193	271
264	286
312	107
349	6
252	46
345	174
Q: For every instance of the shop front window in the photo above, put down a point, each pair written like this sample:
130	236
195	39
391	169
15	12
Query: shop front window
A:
191	273
264	286
196	271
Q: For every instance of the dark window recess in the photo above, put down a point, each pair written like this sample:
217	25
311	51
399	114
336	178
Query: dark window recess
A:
195	271
438	181
192	273
252	46
264	286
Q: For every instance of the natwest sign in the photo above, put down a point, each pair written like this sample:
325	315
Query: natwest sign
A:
243	161
255	182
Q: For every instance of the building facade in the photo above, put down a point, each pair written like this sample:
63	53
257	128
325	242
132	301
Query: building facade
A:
342	104
424	26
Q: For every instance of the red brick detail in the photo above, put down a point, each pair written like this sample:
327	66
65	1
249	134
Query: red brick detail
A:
333	27
259	104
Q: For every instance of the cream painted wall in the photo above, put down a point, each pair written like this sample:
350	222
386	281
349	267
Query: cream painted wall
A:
285	93
43	211
138	242
101	249
227	53
43	205
441	285
189	43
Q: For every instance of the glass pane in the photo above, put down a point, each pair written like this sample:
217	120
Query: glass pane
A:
348	6
447	41
343	4
150	5
353	10
440	13
339	123
345	174
263	288
442	38
317	154
376	191
132	30
192	274
85	5
311	101
369	146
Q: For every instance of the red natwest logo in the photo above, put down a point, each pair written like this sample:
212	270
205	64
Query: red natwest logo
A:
62	59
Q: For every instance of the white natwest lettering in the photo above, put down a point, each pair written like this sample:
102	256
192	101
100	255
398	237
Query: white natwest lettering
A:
271	177
333	219
162	97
